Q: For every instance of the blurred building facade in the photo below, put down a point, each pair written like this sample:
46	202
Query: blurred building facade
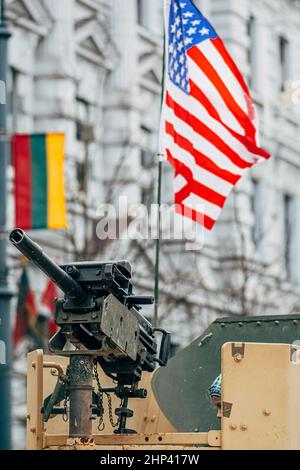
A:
93	69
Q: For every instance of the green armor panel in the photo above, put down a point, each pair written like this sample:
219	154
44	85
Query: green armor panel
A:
181	388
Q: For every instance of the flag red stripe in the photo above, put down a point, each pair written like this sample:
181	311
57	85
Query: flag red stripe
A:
204	101
23	182
202	160
206	133
199	58
193	214
194	186
219	45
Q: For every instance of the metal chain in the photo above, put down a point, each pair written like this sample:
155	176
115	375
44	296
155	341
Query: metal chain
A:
66	397
110	412
101	425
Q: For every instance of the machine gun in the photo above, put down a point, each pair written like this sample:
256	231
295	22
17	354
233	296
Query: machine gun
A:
99	321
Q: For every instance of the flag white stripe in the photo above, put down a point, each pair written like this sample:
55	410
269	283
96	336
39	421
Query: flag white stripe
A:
229	79
201	175
201	205
190	103
213	95
179	183
201	144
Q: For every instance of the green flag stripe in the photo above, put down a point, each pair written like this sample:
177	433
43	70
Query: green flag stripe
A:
39	181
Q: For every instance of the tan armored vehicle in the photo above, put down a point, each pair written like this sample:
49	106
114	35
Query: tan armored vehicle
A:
103	375
260	406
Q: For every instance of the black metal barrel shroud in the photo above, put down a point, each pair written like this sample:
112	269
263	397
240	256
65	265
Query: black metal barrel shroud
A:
36	255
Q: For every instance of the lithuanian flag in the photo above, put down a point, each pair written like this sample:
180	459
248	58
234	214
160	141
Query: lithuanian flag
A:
40	201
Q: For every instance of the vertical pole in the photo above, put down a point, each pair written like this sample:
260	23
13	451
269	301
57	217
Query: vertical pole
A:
157	245
5	294
81	396
158	201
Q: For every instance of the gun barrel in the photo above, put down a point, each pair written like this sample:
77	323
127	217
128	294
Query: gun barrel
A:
36	255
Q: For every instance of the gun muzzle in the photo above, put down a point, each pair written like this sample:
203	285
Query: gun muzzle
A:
36	255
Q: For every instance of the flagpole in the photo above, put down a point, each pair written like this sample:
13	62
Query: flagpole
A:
5	294
157	243
158	199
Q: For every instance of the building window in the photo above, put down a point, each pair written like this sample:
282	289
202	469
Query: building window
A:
84	130
141	12
147	196
257	210
147	159
253	51
147	192
284	62
290	237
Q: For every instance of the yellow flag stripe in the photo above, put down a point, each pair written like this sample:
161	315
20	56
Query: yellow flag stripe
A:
56	201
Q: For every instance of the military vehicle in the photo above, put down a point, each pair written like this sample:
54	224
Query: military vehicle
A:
106	352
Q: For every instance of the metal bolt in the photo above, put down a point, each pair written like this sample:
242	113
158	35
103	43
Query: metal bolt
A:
258	323
94	315
243	427
81	362
295	322
65	316
233	427
266	412
276	322
196	430
240	324
238	357
53	372
222	325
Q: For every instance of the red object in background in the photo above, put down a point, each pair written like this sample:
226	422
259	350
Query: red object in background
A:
26	311
23	181
47	300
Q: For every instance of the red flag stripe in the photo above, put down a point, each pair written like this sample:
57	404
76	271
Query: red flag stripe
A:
239	146
196	187
201	61
227	75
203	100
181	209
200	144
219	45
23	183
202	160
206	133
201	175
198	76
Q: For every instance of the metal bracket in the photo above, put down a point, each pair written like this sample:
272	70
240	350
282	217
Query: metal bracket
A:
227	407
237	349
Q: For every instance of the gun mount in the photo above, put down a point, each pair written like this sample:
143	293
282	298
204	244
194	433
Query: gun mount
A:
99	321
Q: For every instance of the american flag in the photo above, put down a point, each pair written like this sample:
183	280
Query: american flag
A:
209	122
